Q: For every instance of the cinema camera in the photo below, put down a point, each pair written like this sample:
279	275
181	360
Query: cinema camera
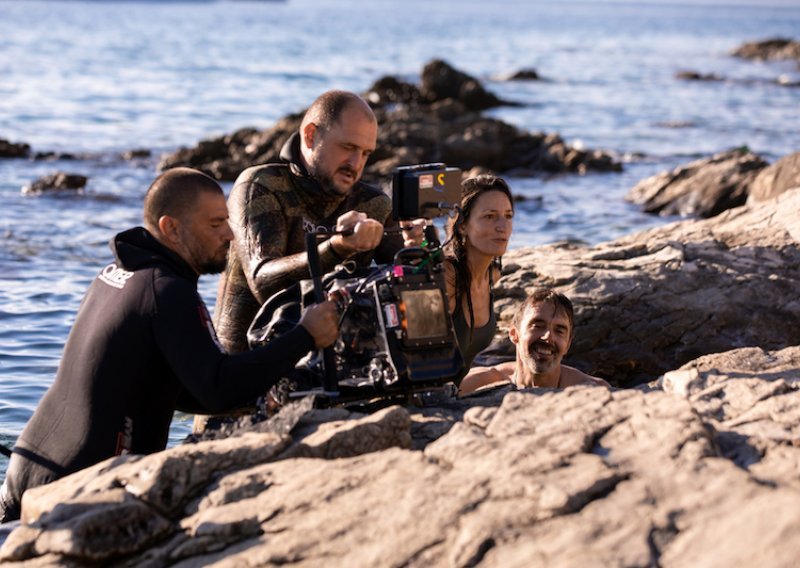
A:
396	335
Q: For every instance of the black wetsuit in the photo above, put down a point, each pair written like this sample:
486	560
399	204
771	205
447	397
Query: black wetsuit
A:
141	347
271	208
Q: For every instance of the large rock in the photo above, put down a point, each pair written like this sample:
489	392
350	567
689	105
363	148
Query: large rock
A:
59	182
438	121
441	81
703	188
650	302
776	48
14	149
777	178
586	476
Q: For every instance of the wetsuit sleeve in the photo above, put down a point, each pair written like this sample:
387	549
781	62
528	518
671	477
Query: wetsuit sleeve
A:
215	380
260	224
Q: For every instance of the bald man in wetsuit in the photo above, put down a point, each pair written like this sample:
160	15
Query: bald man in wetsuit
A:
143	344
316	186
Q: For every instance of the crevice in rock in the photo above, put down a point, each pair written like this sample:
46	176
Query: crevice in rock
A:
480	552
601	489
738	449
411	560
660	537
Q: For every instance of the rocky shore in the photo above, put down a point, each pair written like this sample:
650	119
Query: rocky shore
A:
699	465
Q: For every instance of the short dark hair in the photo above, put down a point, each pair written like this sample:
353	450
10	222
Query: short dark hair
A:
542	296
327	108
174	193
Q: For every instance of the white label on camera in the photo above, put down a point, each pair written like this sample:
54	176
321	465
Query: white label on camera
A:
426	181
390	311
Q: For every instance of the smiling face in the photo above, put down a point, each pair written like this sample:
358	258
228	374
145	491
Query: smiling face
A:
488	228
335	156
543	337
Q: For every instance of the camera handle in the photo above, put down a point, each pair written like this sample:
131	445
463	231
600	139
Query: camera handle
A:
330	384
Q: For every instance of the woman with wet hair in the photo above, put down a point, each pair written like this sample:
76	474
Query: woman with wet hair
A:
478	236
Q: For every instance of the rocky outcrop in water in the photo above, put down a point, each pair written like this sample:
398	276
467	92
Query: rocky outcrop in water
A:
438	121
702	188
583	477
697	76
529	74
59	182
770	49
14	149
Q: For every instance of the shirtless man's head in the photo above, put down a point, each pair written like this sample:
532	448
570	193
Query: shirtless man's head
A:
542	330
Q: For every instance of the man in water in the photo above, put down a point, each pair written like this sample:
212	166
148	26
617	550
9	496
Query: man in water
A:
316	187
542	330
143	344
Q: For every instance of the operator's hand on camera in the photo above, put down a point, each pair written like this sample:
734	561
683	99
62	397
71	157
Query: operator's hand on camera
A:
322	322
413	232
366	234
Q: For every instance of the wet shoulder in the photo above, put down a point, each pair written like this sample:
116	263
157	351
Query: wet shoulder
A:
261	189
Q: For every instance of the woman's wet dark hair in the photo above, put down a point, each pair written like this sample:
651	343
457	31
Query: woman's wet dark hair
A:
471	189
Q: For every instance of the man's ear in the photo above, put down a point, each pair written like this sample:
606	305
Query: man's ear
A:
513	334
168	226
309	134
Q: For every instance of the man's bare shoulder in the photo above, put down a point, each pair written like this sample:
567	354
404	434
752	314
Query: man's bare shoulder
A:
571	376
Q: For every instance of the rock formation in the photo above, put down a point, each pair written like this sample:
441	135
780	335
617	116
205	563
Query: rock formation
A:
703	188
14	149
770	49
439	121
781	176
58	182
702	473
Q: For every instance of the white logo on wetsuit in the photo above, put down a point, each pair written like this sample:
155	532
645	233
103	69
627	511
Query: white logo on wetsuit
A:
115	276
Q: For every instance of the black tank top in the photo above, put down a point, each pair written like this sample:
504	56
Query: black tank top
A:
481	336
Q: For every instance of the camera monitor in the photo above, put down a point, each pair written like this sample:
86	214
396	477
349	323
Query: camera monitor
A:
424	191
425	315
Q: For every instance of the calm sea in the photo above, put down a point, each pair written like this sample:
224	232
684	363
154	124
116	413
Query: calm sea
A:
99	78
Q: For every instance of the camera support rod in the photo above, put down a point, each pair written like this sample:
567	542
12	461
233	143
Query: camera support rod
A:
331	385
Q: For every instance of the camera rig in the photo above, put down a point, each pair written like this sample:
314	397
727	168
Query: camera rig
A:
396	337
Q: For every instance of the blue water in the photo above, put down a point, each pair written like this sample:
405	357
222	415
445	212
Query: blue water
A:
100	78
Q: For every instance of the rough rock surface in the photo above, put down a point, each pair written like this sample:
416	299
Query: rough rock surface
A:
698	468
703	188
776	48
438	121
56	183
650	302
776	178
702	473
